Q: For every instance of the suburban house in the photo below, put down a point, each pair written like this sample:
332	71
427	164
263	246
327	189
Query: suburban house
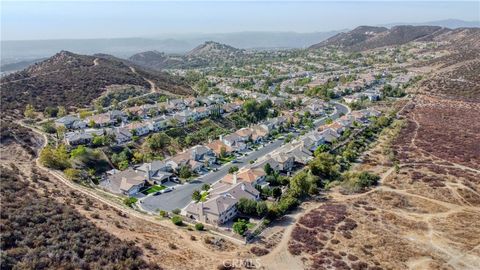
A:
70	122
126	182
121	134
137	111
177	104
253	176
278	161
259	133
157	172
159	123
329	135
84	136
138	128
313	140
217	147
234	141
221	206
299	152
196	158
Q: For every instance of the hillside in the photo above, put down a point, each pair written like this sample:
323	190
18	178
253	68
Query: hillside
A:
369	37
214	49
207	54
74	80
156	60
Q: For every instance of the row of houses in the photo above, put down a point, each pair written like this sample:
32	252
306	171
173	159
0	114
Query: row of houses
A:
220	207
125	131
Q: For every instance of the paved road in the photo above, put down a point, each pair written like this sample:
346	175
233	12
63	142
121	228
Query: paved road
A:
182	195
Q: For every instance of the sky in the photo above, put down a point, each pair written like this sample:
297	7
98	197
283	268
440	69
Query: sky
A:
33	20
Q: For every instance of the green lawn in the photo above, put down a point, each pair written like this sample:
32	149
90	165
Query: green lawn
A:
155	188
225	159
204	196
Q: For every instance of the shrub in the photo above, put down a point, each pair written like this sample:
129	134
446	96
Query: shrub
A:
176	211
130	201
177	220
163	213
240	226
199	227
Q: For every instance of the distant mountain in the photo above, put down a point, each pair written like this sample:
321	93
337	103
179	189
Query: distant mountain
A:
370	37
214	49
449	23
16	51
74	80
156	60
15	66
207	54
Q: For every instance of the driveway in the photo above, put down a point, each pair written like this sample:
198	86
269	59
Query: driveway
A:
182	195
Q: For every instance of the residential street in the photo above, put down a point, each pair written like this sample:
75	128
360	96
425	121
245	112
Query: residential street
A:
181	195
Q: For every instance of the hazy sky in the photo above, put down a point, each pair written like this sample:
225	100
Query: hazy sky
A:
22	20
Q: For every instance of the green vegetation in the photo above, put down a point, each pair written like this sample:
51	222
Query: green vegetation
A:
154	189
177	220
185	172
240	227
130	201
55	158
233	169
389	91
199	227
252	207
359	181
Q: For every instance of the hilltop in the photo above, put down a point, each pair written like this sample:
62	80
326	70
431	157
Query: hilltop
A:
214	49
74	80
208	53
156	60
370	37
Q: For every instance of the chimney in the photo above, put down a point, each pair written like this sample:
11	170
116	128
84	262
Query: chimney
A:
200	212
194	154
235	181
148	172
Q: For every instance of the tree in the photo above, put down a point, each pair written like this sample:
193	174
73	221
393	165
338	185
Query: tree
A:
324	165
205	187
299	185
91	123
268	169
55	158
157	142
50	112
321	149
199	227
223	152
240	227
233	169
79	151
73	174
177	220
185	172
196	196
29	111
247	206
261	208
276	192
176	211
61	111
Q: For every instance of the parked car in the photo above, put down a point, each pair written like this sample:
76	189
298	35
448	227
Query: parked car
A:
157	193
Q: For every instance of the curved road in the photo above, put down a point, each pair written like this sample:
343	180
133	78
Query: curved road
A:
182	195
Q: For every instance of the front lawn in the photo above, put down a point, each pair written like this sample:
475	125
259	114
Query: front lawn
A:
154	189
223	160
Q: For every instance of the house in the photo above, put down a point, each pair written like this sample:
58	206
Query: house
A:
299	152
100	120
352	99
159	123
253	176
278	161
217	147
329	135
137	111
70	122
216	98
203	154
221	206
335	126
259	133
245	134
177	104
157	172
234	141
128	182
121	135
201	112
78	138
138	128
